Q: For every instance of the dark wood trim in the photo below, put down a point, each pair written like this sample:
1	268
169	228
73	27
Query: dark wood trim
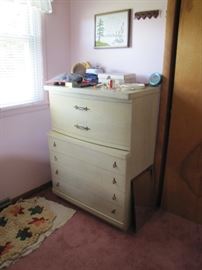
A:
32	192
172	22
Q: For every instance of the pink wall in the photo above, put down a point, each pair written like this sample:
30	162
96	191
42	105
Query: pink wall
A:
143	58
24	162
24	157
57	39
68	39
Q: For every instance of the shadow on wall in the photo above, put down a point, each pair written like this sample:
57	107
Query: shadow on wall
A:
19	175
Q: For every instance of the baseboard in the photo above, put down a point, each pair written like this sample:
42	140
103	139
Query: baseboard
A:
32	192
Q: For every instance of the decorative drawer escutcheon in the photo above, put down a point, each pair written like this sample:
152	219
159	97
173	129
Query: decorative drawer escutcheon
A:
114	181
114	197
115	164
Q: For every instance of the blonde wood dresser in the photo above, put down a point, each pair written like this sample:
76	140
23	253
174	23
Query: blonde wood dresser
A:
100	140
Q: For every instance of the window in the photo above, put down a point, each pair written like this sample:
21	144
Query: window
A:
21	73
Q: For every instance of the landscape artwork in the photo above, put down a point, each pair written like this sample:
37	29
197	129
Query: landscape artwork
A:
112	29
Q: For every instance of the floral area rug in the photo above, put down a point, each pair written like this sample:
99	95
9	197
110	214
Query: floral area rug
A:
25	224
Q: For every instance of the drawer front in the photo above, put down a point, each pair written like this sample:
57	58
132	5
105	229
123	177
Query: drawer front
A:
104	178
84	154
89	180
104	122
92	200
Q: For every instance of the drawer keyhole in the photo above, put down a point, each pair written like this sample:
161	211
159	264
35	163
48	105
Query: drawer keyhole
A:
114	197
114	181
56	172
113	211
54	144
114	164
55	158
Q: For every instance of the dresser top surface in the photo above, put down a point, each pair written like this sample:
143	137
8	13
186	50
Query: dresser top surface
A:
101	92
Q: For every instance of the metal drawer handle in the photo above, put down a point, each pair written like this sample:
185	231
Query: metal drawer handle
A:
113	211
115	165
54	144
114	181
114	197
82	127
56	172
80	108
57	184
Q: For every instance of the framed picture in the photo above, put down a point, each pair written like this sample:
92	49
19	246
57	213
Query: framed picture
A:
112	29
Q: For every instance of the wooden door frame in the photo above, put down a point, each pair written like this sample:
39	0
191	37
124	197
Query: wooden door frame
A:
172	23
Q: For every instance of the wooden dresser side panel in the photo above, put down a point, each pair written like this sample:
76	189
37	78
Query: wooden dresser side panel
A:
144	127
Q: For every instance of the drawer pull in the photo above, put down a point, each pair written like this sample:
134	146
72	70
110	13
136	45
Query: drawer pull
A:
113	211
57	184
54	144
115	165
82	127
55	158
114	197
114	181
56	172
80	108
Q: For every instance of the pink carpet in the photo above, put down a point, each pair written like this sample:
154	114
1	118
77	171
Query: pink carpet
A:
166	242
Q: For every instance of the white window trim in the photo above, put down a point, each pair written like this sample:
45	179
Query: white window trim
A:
22	109
34	106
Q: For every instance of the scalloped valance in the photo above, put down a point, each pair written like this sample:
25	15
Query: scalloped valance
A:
45	6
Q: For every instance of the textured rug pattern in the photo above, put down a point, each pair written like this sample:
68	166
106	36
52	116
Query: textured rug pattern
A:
24	225
165	242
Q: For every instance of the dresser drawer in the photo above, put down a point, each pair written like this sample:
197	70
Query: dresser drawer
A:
104	178
89	179
92	200
103	157
104	122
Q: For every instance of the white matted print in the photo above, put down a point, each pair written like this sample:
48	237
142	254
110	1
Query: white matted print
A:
112	29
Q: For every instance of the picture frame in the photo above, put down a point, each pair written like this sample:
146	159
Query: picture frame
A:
112	29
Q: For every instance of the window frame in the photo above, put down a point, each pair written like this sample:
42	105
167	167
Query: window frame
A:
38	105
